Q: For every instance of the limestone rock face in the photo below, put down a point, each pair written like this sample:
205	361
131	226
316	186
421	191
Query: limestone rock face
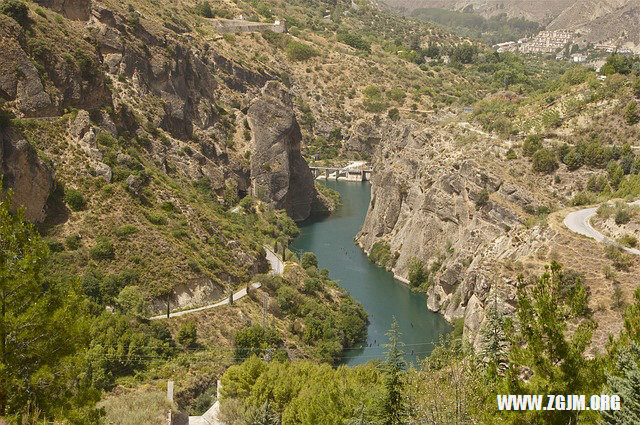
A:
279	173
426	203
26	174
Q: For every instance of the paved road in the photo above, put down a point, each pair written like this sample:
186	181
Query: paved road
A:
580	222
277	267
240	294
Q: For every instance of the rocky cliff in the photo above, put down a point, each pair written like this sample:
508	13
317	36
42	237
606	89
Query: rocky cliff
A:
279	173
454	206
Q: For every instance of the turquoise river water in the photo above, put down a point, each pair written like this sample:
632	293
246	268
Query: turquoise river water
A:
331	238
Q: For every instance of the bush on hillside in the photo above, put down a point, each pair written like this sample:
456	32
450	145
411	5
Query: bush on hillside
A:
254	340
354	41
103	249
532	144
188	335
573	159
16	9
393	114
204	9
622	217
544	161
418	275
74	199
631	113
297	51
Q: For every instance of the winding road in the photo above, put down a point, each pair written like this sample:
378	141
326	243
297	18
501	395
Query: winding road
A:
277	267
580	222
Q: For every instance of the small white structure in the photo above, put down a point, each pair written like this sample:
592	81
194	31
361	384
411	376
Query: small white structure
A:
578	58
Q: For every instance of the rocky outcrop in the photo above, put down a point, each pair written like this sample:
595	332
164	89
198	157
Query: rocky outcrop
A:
30	179
429	201
279	173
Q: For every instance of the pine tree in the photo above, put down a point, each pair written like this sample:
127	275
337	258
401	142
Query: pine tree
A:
494	351
626	383
41	330
394	407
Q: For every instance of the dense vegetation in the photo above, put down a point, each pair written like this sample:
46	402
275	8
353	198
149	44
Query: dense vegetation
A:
535	341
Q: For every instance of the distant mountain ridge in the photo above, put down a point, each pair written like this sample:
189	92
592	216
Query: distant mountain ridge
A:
597	21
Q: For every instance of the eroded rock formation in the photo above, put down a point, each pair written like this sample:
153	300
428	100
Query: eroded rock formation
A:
279	173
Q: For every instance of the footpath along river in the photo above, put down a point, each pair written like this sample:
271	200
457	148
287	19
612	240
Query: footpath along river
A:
331	238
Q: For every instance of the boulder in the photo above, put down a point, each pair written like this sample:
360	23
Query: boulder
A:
279	173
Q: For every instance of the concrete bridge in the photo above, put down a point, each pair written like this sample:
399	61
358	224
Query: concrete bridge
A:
346	173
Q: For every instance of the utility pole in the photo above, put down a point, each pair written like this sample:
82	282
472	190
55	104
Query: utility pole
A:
230	290
168	304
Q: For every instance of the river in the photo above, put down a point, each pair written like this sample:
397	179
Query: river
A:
331	238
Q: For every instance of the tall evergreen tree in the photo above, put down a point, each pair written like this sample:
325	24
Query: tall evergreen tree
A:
539	344
626	383
42	334
494	352
394	409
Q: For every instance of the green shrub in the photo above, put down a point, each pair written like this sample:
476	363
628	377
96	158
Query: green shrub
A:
255	340
354	41
72	242
309	259
204	9
393	114
16	9
483	198
622	217
511	154
397	95
188	335
126	230
544	161
621	261
156	218
103	249
381	254
288	299
583	198
312	285
631	113
75	199
417	273
531	145
573	159
298	51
